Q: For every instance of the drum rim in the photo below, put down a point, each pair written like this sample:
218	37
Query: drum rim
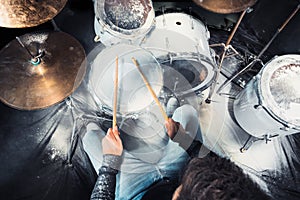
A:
262	89
98	100
120	32
197	57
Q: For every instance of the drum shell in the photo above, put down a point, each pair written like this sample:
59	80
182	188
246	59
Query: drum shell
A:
256	121
178	33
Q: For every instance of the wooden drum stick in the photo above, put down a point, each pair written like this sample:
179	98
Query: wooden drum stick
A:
115	94
150	89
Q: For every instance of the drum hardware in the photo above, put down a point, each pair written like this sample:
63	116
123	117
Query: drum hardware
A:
226	49
38	80
22	14
257	58
252	139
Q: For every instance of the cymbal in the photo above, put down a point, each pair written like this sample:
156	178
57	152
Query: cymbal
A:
57	70
21	14
225	6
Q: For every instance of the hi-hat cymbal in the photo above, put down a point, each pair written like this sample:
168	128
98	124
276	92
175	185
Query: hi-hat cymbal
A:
30	84
21	14
225	6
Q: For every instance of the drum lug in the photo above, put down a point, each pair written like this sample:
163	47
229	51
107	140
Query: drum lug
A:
285	128
258	107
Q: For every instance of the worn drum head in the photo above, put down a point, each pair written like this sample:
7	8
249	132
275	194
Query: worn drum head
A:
187	73
279	89
125	18
133	95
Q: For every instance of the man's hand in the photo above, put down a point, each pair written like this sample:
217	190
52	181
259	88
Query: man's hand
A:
112	143
172	127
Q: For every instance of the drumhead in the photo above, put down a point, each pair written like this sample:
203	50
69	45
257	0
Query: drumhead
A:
125	18
279	89
187	73
133	95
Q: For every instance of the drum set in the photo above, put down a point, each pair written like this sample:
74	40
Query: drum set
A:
41	69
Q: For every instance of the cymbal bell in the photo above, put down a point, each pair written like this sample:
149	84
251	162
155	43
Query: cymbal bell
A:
21	14
57	70
225	6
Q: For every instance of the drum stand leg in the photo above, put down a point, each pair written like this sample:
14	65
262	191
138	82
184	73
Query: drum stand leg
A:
257	59
227	46
251	140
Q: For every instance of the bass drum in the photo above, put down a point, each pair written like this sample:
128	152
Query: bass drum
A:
120	21
270	103
180	41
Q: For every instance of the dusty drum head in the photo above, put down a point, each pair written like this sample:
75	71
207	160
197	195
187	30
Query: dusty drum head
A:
133	95
121	21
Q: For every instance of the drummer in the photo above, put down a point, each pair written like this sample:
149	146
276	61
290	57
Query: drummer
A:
221	179
146	161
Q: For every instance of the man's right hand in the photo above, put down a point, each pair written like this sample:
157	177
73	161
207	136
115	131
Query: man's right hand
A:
112	143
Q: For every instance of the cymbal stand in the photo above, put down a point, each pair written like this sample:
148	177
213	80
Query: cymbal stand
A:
227	47
257	58
55	25
35	60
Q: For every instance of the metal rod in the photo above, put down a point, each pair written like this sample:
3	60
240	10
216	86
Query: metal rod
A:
236	27
226	47
54	25
21	43
279	30
257	59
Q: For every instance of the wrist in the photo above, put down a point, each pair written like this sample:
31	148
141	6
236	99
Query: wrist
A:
112	161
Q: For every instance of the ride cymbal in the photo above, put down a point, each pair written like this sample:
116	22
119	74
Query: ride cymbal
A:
21	14
48	70
225	6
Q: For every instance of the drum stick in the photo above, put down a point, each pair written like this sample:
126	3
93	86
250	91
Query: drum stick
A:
115	94
150	89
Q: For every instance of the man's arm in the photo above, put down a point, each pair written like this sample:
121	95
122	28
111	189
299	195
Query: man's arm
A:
112	150
177	134
106	182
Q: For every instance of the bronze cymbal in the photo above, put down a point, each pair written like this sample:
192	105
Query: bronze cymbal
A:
21	14
225	6
28	86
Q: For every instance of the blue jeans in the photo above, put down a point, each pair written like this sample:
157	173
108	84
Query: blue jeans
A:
146	164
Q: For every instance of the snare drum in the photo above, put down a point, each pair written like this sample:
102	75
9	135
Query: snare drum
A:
133	95
180	42
270	103
120	21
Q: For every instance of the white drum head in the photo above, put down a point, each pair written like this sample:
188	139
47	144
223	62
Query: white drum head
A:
133	95
280	89
123	19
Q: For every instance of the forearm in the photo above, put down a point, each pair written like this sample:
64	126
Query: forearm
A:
186	142
106	182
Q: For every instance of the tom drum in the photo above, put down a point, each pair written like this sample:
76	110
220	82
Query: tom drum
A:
270	103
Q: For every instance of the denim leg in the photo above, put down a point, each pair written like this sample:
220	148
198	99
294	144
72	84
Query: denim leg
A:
187	116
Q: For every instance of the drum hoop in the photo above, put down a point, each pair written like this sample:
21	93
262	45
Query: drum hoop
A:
261	97
120	32
194	57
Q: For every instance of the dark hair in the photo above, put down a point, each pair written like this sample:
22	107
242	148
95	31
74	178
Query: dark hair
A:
216	178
